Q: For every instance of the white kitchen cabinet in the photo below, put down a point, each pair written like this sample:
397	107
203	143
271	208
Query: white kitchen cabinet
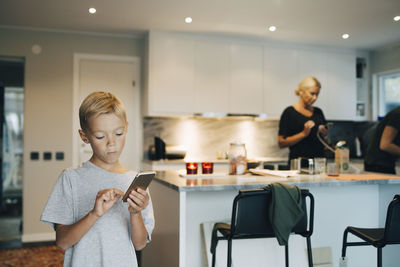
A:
246	71
280	79
211	77
190	74
170	74
342	85
336	72
314	63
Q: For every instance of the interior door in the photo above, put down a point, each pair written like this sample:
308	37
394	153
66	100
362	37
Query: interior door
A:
119	76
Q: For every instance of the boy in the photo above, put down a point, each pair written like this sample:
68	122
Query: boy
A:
85	208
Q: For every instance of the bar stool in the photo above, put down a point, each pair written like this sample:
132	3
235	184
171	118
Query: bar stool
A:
250	219
377	237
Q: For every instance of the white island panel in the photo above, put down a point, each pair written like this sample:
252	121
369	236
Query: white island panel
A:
338	204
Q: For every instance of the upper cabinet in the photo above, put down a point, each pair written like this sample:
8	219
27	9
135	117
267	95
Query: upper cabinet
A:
211	77
314	63
342	84
246	79
171	74
190	74
280	79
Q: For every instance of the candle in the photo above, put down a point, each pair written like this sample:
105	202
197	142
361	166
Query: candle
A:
191	168
191	182
207	167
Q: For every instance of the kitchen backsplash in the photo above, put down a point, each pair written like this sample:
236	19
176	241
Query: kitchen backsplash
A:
203	137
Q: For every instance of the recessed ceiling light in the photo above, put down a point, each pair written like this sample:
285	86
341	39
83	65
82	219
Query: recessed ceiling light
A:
92	10
397	18
272	28
345	36
188	20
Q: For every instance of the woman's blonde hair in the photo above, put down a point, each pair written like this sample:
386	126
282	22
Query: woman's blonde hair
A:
98	103
306	83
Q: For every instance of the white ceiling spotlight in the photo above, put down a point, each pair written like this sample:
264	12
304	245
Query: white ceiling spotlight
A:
345	36
272	28
397	18
92	10
188	20
36	49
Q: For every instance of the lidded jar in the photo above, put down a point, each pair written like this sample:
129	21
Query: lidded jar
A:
237	156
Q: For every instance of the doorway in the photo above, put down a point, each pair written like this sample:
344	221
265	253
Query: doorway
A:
119	75
12	117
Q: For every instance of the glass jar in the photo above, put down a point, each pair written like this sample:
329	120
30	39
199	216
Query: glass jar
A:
237	156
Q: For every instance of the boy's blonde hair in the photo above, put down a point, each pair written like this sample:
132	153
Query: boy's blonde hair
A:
306	83
98	103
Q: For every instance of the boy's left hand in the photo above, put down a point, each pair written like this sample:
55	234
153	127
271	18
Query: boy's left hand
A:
138	200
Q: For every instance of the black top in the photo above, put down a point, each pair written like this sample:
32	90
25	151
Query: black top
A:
292	122
376	156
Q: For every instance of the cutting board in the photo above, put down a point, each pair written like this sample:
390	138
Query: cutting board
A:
364	176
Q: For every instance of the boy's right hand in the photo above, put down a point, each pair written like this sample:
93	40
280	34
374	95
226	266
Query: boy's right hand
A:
105	199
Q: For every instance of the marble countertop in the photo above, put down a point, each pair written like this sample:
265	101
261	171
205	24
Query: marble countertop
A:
173	180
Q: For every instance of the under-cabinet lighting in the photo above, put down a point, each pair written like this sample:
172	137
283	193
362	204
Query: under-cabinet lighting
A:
92	10
345	36
188	20
272	28
397	18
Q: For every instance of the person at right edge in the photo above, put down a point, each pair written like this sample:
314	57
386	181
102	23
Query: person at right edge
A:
300	123
384	147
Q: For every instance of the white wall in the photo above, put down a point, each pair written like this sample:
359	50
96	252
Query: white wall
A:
385	59
48	106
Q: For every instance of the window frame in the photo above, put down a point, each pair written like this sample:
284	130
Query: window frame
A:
378	97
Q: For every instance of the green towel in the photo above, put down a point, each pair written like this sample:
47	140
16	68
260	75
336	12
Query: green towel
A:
285	210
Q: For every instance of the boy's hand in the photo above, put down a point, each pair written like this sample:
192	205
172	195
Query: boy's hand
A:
105	199
138	200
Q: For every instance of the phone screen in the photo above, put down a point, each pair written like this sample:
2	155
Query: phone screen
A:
142	180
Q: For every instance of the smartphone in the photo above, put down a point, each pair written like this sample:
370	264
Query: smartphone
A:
142	180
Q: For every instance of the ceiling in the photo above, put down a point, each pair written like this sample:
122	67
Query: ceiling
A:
369	23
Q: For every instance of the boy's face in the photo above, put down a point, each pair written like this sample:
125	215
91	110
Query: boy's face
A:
106	135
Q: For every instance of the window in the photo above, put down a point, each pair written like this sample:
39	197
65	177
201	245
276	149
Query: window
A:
389	92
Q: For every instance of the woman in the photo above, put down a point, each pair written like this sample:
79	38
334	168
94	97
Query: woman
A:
300	123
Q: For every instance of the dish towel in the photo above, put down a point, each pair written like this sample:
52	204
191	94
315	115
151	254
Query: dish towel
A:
285	210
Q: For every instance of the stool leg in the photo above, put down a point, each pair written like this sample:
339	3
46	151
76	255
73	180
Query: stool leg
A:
213	258
344	243
229	253
287	255
379	257
309	252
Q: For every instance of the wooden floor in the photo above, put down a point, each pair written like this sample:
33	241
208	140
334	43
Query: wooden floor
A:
32	255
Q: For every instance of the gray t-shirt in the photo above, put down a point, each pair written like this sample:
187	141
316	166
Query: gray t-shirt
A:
108	242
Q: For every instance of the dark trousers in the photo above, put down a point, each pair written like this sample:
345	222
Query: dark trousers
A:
377	168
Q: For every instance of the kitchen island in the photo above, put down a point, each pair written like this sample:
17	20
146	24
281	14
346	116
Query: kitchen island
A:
182	205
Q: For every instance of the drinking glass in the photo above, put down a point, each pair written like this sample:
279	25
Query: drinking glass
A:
319	165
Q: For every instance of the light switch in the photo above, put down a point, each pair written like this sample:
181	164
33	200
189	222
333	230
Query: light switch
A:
46	155
34	155
59	155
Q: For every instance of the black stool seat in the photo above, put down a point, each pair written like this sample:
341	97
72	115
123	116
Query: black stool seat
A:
372	235
377	237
